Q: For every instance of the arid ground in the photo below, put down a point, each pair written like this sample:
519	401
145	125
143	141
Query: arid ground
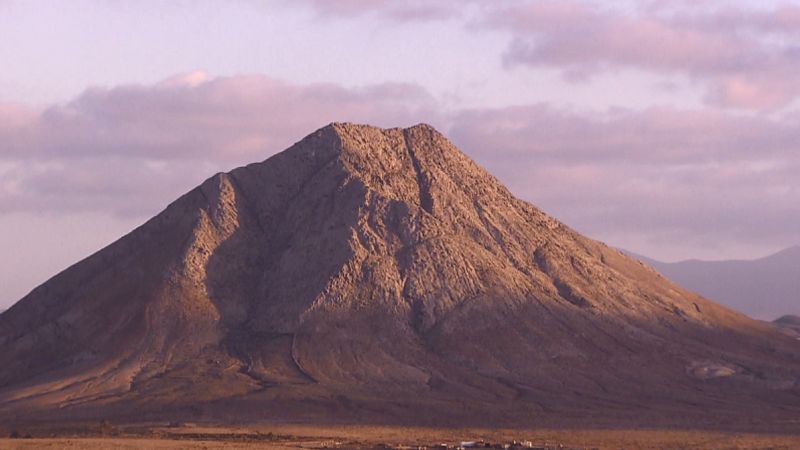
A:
358	437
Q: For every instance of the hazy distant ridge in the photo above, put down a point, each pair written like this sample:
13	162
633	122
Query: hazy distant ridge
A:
764	288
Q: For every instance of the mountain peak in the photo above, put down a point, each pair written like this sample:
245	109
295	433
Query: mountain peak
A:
362	138
352	136
347	128
416	165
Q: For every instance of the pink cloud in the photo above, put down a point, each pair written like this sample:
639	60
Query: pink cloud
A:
744	57
675	177
192	117
567	34
119	149
657	136
766	92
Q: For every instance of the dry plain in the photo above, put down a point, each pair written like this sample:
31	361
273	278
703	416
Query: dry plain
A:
378	437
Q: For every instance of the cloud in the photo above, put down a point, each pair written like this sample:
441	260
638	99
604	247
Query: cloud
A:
675	182
745	57
671	181
657	136
406	11
191	117
119	149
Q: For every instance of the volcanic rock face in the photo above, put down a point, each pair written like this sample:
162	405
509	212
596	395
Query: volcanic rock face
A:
371	272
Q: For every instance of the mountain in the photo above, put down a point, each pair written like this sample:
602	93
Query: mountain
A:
379	275
789	325
763	288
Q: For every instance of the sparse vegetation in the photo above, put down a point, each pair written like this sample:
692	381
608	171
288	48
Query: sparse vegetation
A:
384	438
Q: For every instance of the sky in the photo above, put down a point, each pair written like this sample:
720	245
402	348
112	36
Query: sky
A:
669	128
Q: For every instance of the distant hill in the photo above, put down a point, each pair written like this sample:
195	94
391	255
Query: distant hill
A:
763	288
789	325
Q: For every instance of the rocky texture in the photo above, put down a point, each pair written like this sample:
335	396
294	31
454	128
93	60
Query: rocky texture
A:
370	274
763	288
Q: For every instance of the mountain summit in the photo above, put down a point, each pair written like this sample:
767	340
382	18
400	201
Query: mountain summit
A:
378	274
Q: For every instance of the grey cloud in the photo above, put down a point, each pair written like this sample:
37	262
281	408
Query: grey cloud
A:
406	11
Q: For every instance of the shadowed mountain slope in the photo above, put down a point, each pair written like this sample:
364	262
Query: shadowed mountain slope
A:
367	274
763	288
789	325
